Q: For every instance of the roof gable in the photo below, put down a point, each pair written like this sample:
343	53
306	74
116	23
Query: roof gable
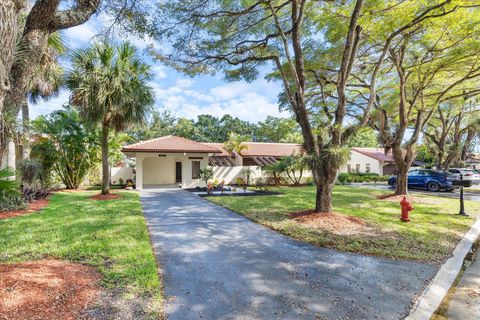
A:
170	144
376	153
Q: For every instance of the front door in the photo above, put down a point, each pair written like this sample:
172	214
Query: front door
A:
178	172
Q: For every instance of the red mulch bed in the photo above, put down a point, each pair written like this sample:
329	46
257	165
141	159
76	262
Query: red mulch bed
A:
333	222
32	207
46	289
105	196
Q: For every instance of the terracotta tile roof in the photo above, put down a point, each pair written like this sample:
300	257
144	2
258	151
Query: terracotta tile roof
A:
218	145
376	153
171	144
264	149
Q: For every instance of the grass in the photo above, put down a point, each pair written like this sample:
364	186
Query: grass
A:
432	234
110	235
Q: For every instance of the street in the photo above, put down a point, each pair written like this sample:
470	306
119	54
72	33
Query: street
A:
471	196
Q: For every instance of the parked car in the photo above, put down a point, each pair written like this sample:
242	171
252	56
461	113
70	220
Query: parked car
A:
427	179
467	173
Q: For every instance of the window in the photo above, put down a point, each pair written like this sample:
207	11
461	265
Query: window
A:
367	168
357	168
412	173
195	169
349	168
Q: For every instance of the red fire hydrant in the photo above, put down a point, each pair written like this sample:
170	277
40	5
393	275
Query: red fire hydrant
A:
406	208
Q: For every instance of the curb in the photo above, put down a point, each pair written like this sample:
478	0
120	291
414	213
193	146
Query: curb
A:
436	291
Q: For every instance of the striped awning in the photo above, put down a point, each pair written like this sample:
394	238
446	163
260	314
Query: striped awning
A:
215	161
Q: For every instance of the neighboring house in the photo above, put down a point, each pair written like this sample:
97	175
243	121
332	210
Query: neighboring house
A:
473	161
370	160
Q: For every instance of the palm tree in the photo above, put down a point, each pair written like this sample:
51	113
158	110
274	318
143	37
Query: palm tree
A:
44	84
235	143
109	86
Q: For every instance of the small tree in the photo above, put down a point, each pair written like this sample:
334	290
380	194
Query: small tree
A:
43	150
294	166
275	170
74	149
206	174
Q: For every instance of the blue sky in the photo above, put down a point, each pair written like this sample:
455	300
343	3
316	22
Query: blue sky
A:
185	96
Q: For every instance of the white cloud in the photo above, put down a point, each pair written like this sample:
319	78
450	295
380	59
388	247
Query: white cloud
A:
248	101
158	71
79	36
184	82
46	107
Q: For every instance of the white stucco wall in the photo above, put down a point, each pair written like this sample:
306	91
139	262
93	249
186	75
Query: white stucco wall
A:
120	172
158	170
361	159
230	174
151	169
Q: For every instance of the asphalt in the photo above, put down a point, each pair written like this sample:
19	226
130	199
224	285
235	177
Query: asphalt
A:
216	264
470	196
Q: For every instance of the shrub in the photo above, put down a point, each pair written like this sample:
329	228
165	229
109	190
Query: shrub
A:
11	203
362	177
8	186
240	181
343	177
121	181
30	171
309	181
33	194
10	198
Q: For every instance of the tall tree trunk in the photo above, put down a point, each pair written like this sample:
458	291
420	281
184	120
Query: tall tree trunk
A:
324	176
11	163
9	10
26	129
105	164
402	180
403	160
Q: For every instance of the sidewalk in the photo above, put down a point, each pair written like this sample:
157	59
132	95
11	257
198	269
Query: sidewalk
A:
465	301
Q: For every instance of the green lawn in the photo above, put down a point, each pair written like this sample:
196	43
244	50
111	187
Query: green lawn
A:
110	235
431	235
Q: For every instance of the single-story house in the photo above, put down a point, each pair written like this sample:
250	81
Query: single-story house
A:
169	160
176	161
370	160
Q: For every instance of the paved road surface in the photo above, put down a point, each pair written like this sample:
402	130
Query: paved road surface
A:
219	265
472	196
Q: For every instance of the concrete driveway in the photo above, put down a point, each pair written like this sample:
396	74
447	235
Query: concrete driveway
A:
219	265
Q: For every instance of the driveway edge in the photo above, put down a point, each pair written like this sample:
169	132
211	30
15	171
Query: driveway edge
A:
436	291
